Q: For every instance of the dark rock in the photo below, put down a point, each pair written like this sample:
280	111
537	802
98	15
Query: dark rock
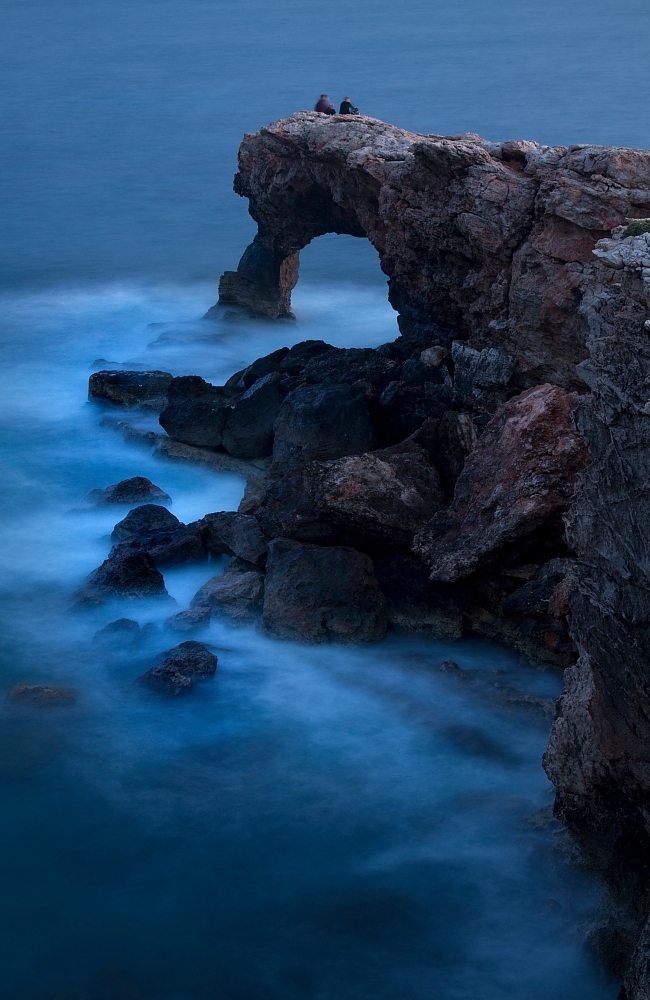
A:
236	594
480	377
249	428
450	667
261	367
414	602
427	437
300	354
403	409
534	596
192	387
322	422
433	356
521	473
143	520
165	548
346	366
41	696
234	534
129	575
147	389
179	668
198	421
190	620
378	500
455	440
132	490
317	594
122	630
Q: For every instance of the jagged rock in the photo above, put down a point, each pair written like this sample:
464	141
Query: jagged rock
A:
148	389
131	490
414	602
376	500
236	594
144	520
456	437
534	596
260	368
41	696
480	377
403	408
179	667
128	575
521	473
322	422
248	431
235	534
315	594
346	366
188	621
120	632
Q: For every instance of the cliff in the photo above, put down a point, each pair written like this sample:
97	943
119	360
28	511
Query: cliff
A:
519	251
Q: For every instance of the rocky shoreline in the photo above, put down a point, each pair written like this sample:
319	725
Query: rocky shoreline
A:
485	473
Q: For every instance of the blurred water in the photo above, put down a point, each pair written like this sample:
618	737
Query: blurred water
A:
324	823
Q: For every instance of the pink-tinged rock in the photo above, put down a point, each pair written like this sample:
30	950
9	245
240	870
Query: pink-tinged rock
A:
521	473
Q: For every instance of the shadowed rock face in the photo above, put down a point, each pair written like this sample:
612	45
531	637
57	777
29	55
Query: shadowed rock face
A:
491	239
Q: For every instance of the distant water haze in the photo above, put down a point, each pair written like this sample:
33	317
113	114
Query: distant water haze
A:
322	823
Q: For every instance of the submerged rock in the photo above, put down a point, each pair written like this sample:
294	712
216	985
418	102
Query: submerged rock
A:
41	696
179	668
119	632
132	490
148	389
316	594
190	620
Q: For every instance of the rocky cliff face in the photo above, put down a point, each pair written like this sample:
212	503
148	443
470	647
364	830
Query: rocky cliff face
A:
513	257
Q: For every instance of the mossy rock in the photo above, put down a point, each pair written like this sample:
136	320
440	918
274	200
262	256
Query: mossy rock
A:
638	228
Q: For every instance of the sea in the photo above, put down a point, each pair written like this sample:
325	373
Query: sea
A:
316	823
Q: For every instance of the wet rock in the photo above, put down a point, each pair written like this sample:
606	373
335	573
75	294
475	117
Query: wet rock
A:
322	422
197	421
190	620
236	594
41	696
521	473
179	668
248	431
414	602
456	438
128	575
148	389
144	520
316	594
377	500
165	548
235	534
133	490
120	632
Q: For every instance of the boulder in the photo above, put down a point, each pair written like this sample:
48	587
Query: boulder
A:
455	440
133	490
316	594
190	620
148	389
322	422
377	500
234	534
521	474
41	696
179	668
260	368
248	431
123	575
403	408
165	548
236	594
301	354
144	520
198	421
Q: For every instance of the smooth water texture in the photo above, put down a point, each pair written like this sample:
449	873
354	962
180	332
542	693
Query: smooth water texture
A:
326	823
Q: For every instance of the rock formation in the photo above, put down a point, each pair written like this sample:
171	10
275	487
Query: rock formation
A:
521	275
